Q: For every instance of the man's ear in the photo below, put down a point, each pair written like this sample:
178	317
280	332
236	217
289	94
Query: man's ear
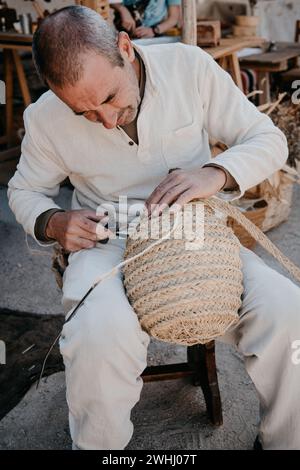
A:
125	46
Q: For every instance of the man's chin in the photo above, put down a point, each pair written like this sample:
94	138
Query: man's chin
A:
121	122
127	119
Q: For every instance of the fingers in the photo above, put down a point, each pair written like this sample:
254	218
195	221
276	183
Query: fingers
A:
80	232
142	32
166	192
75	243
184	198
83	228
138	34
169	197
155	196
85	240
103	232
93	214
90	225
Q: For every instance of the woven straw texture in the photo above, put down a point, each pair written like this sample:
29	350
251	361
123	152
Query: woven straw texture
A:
182	295
191	296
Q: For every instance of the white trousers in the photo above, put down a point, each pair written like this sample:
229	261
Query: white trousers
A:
105	350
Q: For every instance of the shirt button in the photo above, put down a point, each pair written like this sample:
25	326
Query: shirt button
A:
131	143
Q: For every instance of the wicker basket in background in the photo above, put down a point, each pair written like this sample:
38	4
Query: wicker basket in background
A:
277	191
279	201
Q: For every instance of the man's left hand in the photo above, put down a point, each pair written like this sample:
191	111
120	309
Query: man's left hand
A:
143	32
182	186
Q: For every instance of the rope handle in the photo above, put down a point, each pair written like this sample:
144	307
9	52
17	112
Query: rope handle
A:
229	210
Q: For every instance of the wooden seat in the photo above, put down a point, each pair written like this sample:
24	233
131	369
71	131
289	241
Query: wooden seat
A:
200	365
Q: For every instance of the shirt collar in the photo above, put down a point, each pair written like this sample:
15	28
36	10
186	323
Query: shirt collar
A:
150	82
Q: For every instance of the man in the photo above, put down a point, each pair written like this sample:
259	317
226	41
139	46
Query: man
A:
118	118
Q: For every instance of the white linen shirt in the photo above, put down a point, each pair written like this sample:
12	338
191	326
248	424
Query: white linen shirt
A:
187	98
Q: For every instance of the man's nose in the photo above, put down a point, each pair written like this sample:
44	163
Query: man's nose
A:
109	120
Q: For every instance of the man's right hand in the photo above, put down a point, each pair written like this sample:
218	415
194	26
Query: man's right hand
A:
77	229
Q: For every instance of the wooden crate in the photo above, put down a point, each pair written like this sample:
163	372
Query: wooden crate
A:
208	33
244	31
243	20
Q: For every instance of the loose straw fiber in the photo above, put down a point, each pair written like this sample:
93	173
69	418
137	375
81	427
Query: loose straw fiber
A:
189	296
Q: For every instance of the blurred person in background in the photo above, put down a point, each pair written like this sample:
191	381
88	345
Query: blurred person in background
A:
146	18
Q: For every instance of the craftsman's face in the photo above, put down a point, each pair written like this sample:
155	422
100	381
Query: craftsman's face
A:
107	94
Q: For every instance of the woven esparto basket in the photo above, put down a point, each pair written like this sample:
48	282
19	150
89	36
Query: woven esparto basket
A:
191	296
182	295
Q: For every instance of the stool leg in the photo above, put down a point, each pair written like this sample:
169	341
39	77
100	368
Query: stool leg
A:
201	358
264	85
22	78
235	70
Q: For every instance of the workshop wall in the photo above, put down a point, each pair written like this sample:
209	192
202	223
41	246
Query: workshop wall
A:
278	18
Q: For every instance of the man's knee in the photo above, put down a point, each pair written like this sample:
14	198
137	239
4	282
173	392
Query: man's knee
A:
269	315
279	301
282	305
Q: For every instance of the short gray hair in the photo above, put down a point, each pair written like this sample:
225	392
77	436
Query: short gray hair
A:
62	38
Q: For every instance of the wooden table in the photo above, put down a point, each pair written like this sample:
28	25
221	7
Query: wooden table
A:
268	62
12	43
226	54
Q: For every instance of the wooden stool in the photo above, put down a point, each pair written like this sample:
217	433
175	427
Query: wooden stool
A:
200	365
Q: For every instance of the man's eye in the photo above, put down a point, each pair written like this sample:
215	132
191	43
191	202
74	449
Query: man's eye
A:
110	98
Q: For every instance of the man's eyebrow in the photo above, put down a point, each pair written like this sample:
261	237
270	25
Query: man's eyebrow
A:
110	97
